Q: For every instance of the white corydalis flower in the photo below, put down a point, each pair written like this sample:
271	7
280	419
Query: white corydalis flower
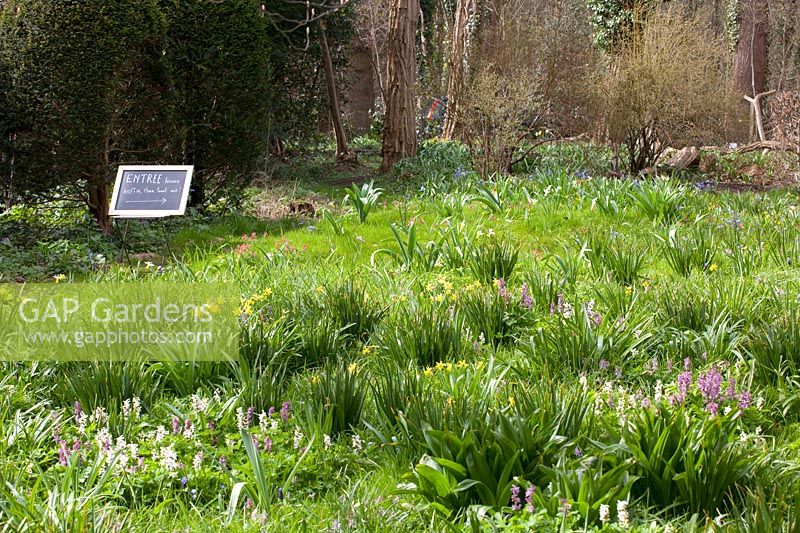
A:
197	462
623	518
604	514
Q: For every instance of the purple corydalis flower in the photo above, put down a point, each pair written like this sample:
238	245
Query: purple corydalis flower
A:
529	497
744	400
578	452
78	410
731	392
709	383
501	290
270	412
618	373
176	425
516	502
685	380
187	425
280	493
212	424
267	444
604	364
527	301
63	453
286	411
251	411
223	461
713	408
184	481
565	506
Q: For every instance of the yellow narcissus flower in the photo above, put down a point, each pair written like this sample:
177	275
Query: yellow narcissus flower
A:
352	369
314	379
59	278
428	371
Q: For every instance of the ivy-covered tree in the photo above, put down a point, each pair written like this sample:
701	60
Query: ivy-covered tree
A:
614	20
83	94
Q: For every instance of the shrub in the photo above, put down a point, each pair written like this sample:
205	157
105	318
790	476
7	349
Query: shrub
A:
87	91
529	66
436	160
218	61
666	86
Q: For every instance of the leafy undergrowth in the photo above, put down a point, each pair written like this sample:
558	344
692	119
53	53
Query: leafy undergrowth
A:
552	351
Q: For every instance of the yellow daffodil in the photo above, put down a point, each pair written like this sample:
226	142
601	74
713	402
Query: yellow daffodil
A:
713	267
352	369
59	278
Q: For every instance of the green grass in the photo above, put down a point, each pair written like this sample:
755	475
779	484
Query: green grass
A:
430	374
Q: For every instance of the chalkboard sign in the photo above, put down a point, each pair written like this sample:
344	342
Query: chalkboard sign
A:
150	191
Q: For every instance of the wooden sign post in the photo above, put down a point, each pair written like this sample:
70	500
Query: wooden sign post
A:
150	191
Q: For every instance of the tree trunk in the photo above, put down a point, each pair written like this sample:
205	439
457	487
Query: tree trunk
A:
342	152
400	122
98	202
750	56
361	92
457	63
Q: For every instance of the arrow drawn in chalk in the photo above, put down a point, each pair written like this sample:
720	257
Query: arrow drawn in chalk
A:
162	201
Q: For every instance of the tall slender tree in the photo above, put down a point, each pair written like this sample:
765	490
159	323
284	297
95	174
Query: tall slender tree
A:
457	64
399	128
750	55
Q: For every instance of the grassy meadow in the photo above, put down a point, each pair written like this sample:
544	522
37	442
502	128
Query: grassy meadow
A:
549	351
